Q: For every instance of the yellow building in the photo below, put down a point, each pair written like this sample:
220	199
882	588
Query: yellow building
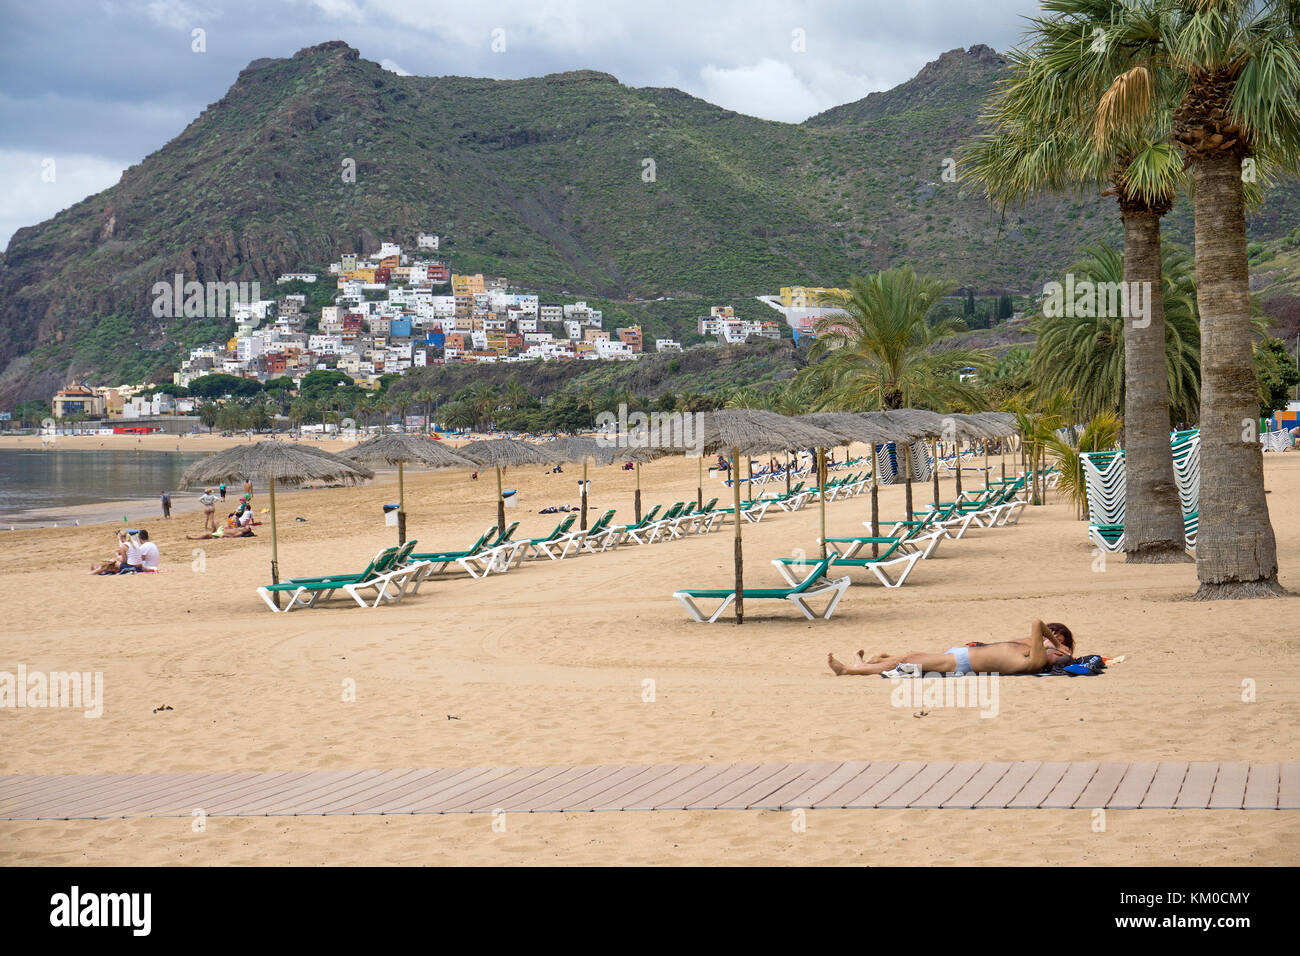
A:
808	297
467	285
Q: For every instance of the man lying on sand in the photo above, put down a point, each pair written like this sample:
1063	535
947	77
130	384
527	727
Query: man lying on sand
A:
1046	645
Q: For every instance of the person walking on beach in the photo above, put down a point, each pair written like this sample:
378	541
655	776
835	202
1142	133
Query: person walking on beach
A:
209	502
248	490
166	505
223	491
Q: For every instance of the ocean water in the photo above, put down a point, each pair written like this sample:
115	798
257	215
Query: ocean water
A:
34	480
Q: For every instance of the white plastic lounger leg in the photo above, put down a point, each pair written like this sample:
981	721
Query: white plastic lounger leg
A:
696	613
909	562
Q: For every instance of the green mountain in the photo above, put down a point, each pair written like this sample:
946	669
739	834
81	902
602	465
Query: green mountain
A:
543	180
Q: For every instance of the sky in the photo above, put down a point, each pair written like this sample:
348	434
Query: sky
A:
89	87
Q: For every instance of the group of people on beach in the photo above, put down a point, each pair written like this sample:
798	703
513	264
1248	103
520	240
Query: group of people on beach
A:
135	554
239	523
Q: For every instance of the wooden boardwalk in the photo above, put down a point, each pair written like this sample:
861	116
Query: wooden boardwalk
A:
736	786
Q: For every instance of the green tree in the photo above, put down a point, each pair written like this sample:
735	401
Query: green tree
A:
1277	374
1046	115
1237	70
882	352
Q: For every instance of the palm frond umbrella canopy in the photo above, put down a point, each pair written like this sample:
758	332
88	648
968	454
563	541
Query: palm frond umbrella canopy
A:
1001	425
274	462
747	431
574	449
976	428
402	449
850	428
502	453
904	426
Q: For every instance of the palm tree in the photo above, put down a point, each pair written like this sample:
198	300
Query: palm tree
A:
425	397
1087	353
1237	64
1044	115
515	395
882	352
401	403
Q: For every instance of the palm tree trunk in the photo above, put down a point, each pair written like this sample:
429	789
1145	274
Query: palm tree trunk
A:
1236	552
1153	514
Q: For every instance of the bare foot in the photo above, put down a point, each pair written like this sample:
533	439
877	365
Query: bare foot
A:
836	666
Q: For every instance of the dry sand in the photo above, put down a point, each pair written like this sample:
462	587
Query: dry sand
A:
545	665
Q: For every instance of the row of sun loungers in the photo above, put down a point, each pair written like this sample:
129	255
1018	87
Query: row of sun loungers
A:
911	541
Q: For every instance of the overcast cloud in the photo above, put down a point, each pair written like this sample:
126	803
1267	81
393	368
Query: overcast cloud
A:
96	86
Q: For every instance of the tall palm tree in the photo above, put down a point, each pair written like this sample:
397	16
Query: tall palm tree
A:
425	397
1088	353
1044	115
1237	63
882	353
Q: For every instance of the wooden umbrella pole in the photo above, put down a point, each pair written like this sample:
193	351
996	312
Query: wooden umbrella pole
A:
401	506
821	480
275	547
875	503
501	505
699	485
934	447
583	524
986	463
738	556
957	461
787	472
637	498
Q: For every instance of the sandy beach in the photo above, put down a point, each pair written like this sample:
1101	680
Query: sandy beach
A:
546	664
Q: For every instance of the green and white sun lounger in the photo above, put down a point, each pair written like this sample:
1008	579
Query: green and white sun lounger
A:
386	576
892	558
443	558
816	584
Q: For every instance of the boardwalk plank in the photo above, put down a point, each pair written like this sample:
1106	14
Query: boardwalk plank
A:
1197	786
886	786
784	797
943	788
593	789
650	784
1288	787
1133	787
608	797
556	799
984	780
1070	787
1165	785
762	783
1102	785
1262	786
523	799
1230	786
1012	782
930	774
818	792
487	792
1037	787
430	790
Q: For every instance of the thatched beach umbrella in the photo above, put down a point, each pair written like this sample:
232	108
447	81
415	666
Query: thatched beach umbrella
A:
905	425
1001	425
753	432
847	428
273	462
501	453
573	449
403	449
851	427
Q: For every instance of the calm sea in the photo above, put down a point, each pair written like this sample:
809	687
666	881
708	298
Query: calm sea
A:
46	481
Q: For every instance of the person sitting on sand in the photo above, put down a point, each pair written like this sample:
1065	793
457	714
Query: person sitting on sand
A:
149	556
1046	645
114	565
